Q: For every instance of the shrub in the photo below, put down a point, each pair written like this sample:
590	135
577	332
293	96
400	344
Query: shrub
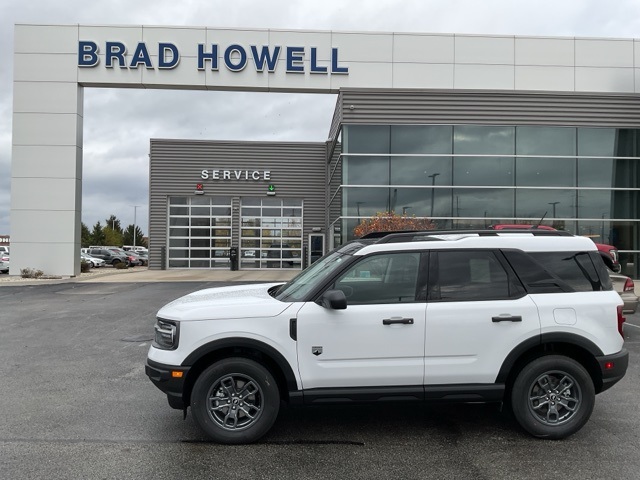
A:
121	266
31	273
85	266
391	221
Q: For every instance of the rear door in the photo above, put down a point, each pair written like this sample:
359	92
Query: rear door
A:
477	312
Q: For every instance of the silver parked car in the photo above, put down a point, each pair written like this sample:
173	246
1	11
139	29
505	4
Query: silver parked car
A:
626	289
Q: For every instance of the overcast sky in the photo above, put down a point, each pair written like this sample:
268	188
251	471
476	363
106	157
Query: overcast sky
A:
119	123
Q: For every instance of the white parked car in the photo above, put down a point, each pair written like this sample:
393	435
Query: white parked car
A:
94	261
526	318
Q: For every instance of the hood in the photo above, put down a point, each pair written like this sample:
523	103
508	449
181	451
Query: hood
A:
241	301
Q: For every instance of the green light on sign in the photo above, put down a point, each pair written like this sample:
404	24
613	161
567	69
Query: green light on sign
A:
272	188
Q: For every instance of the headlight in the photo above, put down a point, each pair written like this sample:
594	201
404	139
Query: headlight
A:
167	334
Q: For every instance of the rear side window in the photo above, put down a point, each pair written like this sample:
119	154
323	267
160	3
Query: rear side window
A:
553	272
473	275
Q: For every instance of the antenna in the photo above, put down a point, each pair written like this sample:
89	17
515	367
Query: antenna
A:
545	214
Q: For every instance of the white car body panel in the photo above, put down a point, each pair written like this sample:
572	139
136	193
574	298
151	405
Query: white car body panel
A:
464	345
357	349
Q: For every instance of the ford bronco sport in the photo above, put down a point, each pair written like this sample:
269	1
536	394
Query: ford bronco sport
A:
528	318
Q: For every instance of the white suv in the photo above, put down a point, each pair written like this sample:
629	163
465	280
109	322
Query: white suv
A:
526	318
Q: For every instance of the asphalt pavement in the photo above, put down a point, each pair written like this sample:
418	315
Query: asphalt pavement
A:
76	404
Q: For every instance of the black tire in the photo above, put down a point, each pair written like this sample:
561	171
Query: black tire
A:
115	262
553	397
235	401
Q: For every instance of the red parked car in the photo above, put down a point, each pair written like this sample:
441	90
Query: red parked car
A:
609	253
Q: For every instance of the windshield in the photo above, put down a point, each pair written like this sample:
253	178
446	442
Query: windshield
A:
297	289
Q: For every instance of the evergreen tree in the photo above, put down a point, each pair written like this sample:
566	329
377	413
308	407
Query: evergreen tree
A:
127	237
97	235
85	236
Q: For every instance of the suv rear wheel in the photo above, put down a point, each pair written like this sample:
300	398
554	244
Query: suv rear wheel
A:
235	400
553	397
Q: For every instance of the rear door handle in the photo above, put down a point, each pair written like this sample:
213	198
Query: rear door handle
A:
396	320
506	318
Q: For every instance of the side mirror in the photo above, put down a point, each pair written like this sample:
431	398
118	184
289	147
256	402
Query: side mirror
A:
334	299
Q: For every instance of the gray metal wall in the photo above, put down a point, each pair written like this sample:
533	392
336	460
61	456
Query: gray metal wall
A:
298	170
371	106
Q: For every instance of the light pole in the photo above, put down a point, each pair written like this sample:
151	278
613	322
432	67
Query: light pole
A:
553	204
433	190
135	210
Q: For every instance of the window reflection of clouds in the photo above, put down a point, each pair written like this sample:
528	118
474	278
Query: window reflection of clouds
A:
415	139
483	171
483	140
366	170
545	141
546	172
482	202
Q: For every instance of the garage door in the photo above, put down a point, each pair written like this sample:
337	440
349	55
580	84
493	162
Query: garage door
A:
199	232
270	233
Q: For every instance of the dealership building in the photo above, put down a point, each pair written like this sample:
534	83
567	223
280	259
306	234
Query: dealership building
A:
465	130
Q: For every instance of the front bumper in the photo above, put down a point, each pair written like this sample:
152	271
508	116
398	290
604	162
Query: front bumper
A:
163	377
613	368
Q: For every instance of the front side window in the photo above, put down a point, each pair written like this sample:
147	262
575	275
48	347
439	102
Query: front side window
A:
470	276
383	278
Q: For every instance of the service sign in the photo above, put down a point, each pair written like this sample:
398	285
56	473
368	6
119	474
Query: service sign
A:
234	57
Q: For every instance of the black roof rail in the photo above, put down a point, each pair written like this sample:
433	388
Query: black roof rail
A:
426	235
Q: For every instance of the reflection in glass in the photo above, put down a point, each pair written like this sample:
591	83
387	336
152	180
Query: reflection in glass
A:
482	202
546	172
366	138
366	170
546	141
420	170
421	139
365	202
533	203
418	202
483	171
483	140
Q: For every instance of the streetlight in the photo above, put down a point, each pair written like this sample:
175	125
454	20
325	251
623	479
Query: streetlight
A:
433	190
553	204
135	210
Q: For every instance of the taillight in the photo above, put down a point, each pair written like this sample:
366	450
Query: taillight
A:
628	286
621	320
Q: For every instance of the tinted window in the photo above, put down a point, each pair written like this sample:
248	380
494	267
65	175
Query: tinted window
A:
471	275
534	276
385	278
574	268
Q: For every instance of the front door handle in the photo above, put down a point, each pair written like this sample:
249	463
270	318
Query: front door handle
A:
396	320
506	318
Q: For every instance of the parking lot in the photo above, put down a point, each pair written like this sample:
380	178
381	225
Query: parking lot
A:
77	404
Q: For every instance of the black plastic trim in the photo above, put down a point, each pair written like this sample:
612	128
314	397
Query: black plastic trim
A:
532	342
240	342
160	375
419	393
293	329
613	375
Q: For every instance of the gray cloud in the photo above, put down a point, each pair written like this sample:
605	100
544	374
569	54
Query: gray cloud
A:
119	123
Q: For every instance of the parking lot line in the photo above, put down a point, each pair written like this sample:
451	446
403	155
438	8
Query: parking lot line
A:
631	324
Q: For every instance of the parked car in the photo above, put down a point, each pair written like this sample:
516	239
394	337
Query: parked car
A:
528	319
4	266
110	257
626	289
95	262
136	258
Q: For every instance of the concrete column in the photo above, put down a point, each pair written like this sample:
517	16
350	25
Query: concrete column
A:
46	167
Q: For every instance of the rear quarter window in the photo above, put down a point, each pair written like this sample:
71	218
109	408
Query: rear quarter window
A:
551	272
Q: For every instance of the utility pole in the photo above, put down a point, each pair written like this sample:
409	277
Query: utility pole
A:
433	190
135	210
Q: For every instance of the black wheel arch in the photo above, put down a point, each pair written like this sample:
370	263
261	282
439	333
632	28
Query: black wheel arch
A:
265	354
571	345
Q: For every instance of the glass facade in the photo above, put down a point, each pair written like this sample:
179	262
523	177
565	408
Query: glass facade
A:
584	180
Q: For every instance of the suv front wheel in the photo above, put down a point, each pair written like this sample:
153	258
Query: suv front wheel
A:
553	397
235	400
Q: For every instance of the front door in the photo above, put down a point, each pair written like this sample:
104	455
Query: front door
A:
378	340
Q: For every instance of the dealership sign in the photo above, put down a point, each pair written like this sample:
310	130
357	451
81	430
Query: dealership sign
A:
234	58
255	175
